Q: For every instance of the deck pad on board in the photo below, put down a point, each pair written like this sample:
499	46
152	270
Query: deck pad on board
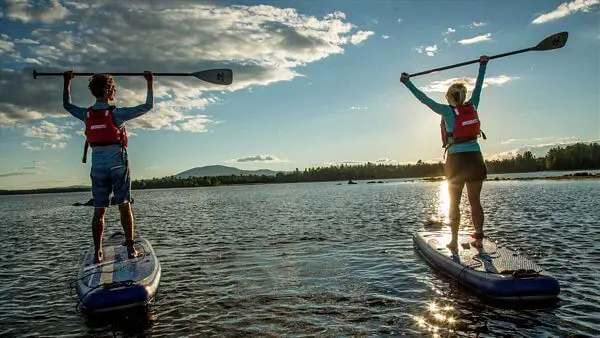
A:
491	258
116	266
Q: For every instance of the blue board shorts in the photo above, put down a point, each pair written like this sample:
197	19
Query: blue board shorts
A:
107	180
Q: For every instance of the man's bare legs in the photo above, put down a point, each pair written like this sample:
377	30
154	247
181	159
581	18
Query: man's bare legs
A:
97	231
455	192
474	192
127	223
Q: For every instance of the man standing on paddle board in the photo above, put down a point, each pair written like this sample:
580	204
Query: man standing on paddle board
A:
460	128
105	133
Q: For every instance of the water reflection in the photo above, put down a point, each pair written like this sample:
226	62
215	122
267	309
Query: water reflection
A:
136	322
440	202
443	209
437	318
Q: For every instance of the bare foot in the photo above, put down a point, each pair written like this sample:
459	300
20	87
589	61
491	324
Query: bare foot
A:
131	252
98	257
478	243
453	246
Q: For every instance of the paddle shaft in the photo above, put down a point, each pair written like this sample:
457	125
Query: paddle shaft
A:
471	62
36	74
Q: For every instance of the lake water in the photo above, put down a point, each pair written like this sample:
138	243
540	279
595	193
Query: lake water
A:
303	259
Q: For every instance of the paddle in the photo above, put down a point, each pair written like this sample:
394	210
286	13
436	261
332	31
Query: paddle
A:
552	42
216	76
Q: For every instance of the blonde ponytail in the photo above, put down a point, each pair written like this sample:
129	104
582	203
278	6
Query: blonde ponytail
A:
456	94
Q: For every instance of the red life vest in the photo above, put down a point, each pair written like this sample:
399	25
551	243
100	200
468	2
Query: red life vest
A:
466	128
100	130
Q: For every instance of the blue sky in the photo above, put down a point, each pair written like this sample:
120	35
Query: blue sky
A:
315	82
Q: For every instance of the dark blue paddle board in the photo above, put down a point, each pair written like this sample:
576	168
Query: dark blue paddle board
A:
494	271
119	282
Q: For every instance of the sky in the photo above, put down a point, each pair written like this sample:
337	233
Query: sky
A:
316	83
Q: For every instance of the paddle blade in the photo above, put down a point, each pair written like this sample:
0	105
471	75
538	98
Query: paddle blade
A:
553	42
216	76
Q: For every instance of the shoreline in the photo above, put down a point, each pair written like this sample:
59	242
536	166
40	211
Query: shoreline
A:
575	176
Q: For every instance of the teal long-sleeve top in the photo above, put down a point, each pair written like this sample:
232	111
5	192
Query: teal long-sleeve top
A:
447	112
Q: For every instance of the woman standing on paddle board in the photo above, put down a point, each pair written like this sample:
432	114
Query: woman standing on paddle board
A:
464	161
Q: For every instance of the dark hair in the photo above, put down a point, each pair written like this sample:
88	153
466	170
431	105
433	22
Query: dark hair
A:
101	85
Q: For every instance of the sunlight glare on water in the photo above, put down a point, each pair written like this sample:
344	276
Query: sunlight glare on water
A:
444	204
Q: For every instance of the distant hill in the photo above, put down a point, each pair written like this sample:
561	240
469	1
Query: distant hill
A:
221	170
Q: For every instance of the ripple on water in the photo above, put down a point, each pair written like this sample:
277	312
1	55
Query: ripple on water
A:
303	259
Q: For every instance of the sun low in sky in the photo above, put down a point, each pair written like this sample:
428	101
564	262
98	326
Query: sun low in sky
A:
315	82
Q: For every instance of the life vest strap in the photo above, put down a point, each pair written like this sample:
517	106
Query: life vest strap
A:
85	151
100	144
457	141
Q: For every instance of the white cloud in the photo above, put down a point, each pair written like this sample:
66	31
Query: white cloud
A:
12	113
477	39
538	150
429	50
449	30
33	61
47	130
27	41
387	161
478	24
509	141
173	114
399	20
385	37
52	53
5	120
497	80
195	124
6	46
360	37
43	146
25	11
537	139
359	108
442	86
335	15
28	146
348	162
259	158
60	145
565	9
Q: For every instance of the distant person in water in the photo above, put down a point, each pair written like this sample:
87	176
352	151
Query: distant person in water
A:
105	134
460	128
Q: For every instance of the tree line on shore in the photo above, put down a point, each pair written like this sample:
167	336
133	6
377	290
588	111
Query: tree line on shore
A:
579	156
